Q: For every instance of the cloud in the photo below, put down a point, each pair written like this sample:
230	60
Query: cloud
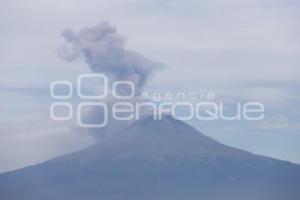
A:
104	51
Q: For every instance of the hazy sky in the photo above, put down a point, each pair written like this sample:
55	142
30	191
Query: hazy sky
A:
241	50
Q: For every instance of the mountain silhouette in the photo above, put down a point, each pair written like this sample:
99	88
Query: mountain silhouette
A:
155	160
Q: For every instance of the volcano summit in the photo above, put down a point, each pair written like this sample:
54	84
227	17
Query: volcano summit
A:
155	159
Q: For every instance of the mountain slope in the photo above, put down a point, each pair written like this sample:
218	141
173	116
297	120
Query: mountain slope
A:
164	159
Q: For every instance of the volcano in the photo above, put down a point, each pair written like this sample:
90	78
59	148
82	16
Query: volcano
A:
155	160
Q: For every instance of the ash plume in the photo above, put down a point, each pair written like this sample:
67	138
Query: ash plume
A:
104	51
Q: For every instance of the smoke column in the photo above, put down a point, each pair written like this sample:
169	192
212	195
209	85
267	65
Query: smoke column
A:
104	51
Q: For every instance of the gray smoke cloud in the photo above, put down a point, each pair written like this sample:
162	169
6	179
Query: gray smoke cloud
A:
104	51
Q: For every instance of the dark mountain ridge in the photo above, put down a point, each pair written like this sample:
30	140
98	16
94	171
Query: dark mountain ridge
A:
155	159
